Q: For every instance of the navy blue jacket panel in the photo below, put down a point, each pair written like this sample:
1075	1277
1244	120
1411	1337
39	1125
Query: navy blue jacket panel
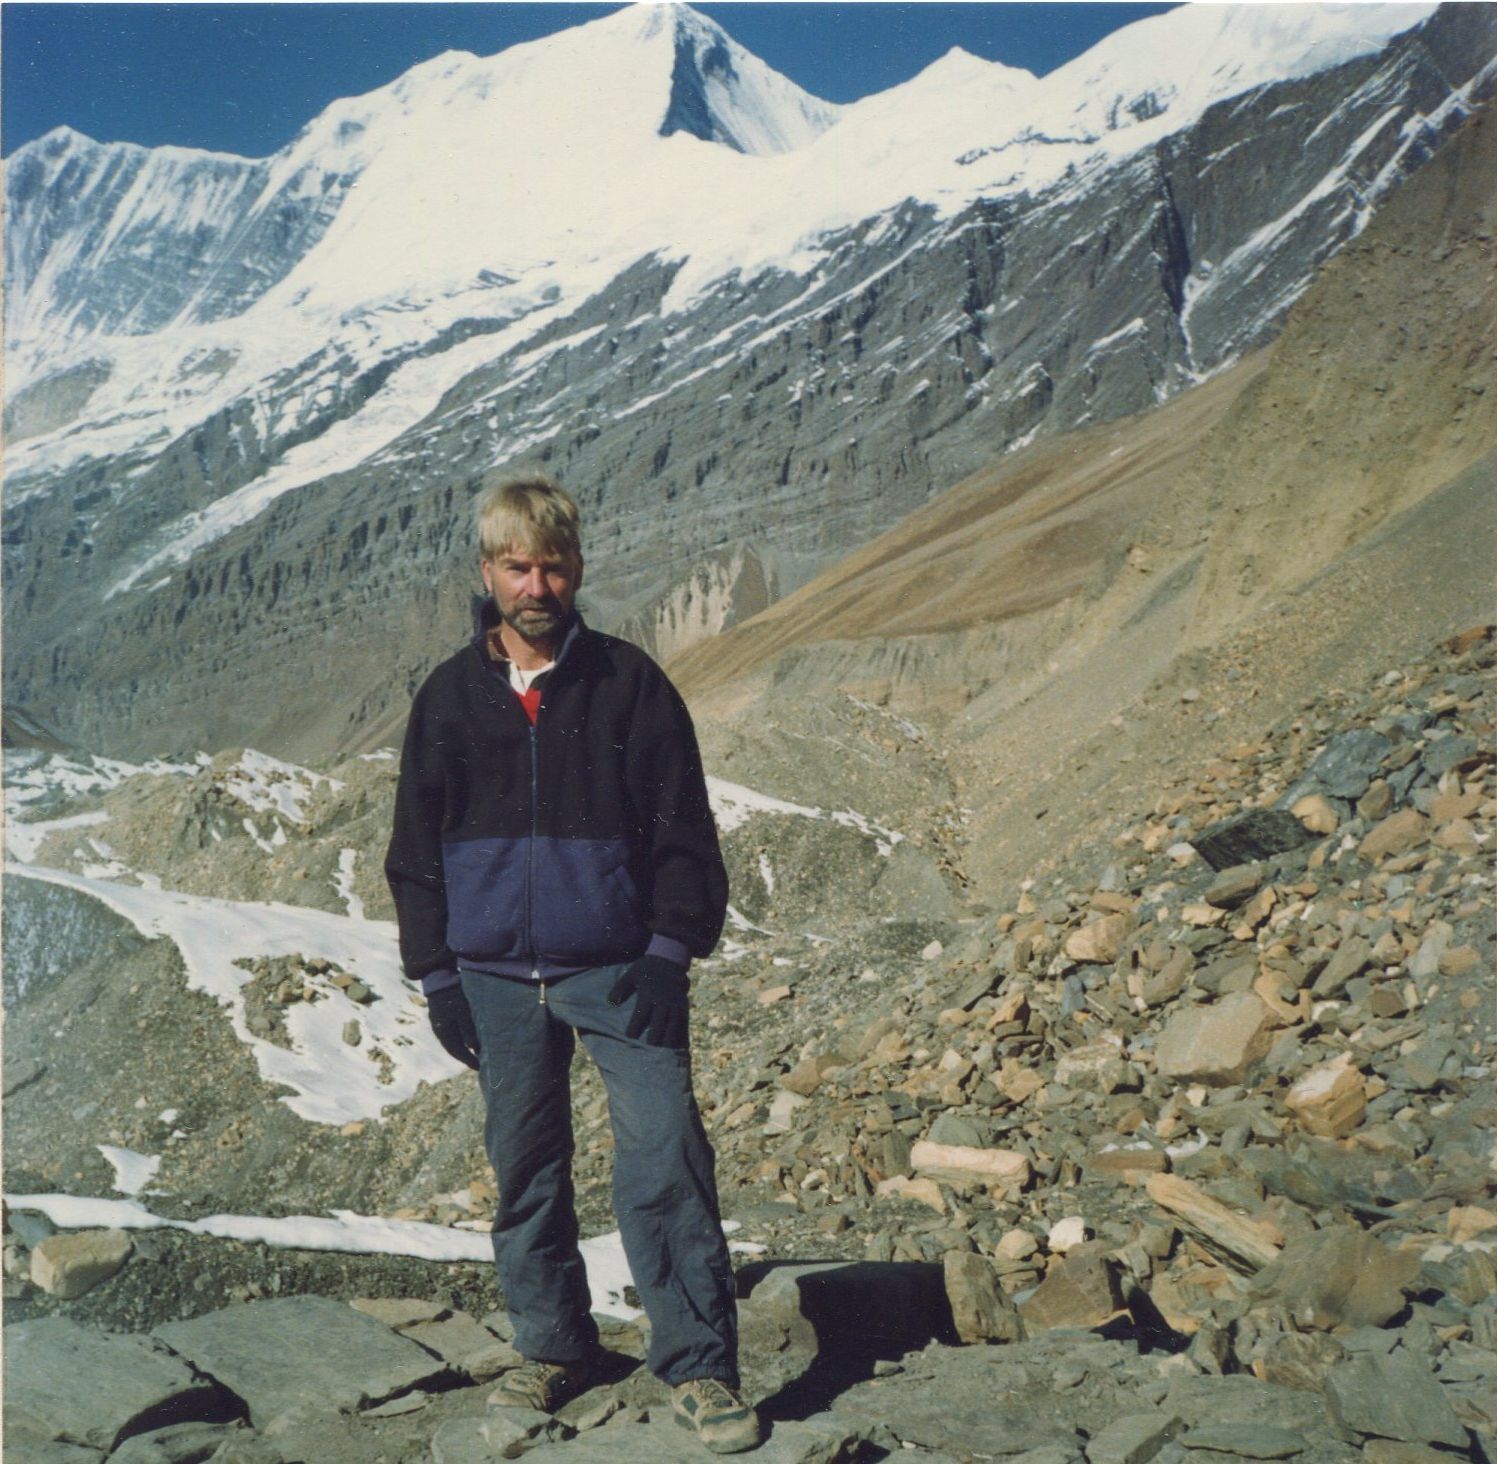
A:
578	841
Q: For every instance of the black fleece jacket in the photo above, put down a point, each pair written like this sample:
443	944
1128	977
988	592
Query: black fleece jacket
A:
583	840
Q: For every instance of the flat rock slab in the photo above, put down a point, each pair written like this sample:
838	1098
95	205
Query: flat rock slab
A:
297	1351
400	1311
36	1451
510	1432
461	1441
1248	838
464	1344
1350	762
663	1441
917	1414
82	1386
1392	1397
1245	1405
179	1443
1133	1439
1247	1440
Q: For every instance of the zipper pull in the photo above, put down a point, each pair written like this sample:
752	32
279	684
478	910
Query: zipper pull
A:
543	993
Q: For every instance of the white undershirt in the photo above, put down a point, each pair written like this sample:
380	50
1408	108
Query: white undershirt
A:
521	680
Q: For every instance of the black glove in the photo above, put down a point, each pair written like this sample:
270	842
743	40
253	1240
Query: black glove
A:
452	1020
659	988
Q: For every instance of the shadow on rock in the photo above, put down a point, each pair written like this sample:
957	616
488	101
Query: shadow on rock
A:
810	1330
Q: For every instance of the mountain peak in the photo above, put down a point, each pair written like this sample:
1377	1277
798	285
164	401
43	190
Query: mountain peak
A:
959	64
722	93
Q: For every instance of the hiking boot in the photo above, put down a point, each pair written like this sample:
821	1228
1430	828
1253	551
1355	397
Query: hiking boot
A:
717	1413
544	1386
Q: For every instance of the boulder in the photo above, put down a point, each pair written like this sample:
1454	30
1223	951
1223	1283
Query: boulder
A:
1235	886
1330	1100
1080	1290
1215	1044
1098	1065
1396	834
980	1308
1099	942
71	1265
1341	1277
1348	764
1351	958
990	1166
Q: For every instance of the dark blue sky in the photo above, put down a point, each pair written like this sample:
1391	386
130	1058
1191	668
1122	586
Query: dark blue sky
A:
245	78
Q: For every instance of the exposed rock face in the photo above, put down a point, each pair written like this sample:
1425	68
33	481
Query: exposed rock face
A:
798	414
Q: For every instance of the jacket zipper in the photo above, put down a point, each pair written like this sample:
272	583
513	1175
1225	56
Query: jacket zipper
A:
535	974
535	801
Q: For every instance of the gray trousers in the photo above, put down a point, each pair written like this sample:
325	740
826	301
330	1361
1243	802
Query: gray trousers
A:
664	1192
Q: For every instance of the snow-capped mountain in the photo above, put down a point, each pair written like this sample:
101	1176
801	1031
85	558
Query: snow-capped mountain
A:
464	158
748	325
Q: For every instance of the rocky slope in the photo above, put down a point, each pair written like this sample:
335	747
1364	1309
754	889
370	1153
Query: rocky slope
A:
1185	1148
284	489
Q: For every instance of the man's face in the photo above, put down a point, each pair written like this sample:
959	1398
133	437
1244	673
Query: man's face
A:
533	589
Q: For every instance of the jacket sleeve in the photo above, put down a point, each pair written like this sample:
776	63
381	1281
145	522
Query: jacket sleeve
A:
689	894
413	862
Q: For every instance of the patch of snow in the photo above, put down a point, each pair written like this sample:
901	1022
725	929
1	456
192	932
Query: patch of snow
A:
1186	1147
733	805
268	785
330	1082
22	840
132	1171
739	921
766	872
32	776
253	830
346	1232
1135	327
343	883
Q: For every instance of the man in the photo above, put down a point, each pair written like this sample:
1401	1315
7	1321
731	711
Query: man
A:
555	867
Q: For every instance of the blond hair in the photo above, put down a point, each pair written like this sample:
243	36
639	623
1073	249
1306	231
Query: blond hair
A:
532	514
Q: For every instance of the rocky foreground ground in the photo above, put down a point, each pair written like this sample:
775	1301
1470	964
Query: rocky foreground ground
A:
1184	1155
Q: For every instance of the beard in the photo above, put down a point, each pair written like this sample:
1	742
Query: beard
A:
535	619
